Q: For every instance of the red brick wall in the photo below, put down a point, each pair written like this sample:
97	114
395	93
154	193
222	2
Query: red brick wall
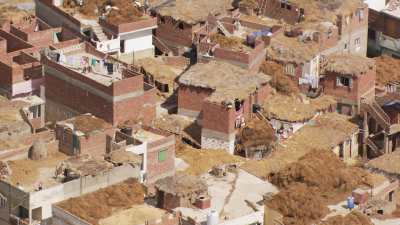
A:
192	98
129	27
218	118
137	108
361	85
156	169
273	9
78	99
170	31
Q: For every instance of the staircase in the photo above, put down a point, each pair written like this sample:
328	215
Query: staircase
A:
373	146
223	29
160	45
98	31
375	110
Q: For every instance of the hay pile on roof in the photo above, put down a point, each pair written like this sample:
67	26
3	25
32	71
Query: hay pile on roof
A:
103	203
191	11
234	43
326	10
228	82
159	70
182	185
256	133
309	182
293	109
388	163
326	132
387	70
86	123
290	49
281	82
353	218
349	64
122	11
202	161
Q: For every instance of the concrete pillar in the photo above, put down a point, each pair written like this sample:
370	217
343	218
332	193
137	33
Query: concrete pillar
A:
386	143
365	135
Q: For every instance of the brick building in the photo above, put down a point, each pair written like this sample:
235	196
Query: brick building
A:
351	80
83	134
221	97
314	31
251	39
154	146
20	44
80	79
179	20
127	37
383	32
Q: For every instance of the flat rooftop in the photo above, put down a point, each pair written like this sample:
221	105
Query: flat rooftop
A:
226	80
29	174
85	123
76	58
191	11
230	196
118	12
147	136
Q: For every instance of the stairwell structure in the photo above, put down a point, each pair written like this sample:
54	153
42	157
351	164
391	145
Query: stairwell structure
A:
381	125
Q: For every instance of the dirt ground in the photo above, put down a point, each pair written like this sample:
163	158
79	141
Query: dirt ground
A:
316	180
101	204
201	161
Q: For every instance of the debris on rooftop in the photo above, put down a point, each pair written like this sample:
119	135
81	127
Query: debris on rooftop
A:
191	11
83	165
115	11
86	123
388	163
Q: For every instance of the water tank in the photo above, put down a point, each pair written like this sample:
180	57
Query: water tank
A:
350	202
212	218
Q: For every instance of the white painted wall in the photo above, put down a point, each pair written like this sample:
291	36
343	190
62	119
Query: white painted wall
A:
377	5
108	46
140	149
138	40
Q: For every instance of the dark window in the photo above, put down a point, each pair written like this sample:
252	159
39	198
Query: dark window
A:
371	34
162	20
344	81
288	7
283	5
181	26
